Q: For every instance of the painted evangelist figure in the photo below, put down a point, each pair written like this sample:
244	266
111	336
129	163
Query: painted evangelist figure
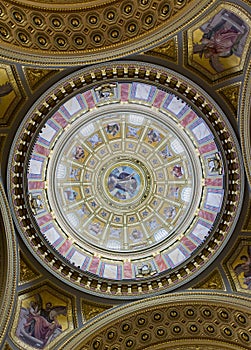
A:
38	324
222	37
243	269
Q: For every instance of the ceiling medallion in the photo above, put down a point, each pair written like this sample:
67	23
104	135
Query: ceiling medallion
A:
127	182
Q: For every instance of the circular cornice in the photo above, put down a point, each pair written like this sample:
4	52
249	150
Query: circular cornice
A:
182	321
89	32
102	86
8	268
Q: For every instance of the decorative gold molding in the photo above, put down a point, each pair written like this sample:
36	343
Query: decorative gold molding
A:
245	122
7	347
247	222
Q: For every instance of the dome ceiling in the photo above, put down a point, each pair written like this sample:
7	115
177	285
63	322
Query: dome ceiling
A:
126	181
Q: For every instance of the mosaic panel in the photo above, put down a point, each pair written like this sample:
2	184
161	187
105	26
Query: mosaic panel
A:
218	45
42	316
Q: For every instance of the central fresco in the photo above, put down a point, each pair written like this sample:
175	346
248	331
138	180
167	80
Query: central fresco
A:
126	182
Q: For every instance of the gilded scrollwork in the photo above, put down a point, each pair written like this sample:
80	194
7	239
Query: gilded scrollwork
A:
213	281
168	50
231	95
90	310
27	273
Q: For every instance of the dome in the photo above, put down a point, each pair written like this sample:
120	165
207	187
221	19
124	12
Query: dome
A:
128	179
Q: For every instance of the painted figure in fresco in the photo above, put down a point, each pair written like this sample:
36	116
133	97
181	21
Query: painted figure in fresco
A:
177	171
169	212
153	136
115	233
83	211
222	38
136	235
174	192
95	228
94	140
36	203
245	268
133	132
112	129
215	164
106	91
70	194
38	326
165	153
74	173
78	152
122	184
153	224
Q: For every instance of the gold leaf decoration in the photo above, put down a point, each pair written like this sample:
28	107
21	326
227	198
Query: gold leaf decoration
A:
213	281
36	77
231	95
91	310
27	273
168	50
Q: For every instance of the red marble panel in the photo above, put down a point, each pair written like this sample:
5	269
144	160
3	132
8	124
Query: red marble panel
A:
60	119
65	246
159	99
207	215
124	92
34	185
187	243
160	262
44	219
127	270
214	182
207	148
41	150
89	99
188	118
94	265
